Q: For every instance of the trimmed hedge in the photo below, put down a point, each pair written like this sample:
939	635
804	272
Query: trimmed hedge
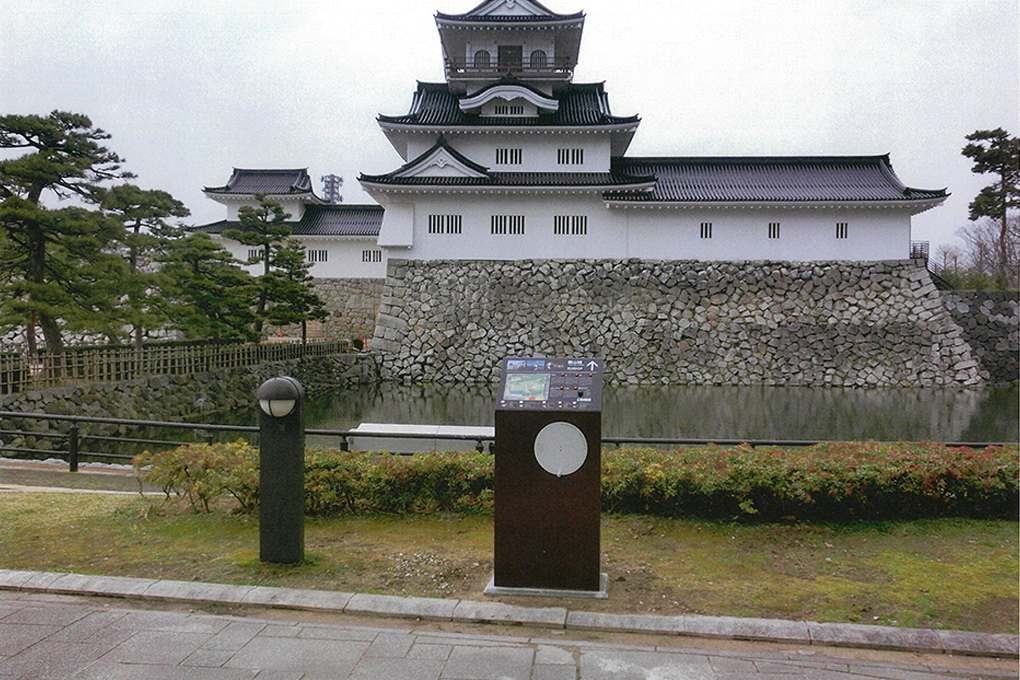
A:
844	481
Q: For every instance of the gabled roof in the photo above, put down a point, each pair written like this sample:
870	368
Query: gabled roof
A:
580	105
779	179
423	171
245	182
322	220
529	11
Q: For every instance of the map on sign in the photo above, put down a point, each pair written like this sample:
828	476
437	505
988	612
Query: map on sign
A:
527	387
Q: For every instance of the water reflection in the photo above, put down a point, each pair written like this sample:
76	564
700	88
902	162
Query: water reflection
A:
707	412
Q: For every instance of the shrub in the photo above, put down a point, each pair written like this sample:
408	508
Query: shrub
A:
457	481
841	481
202	472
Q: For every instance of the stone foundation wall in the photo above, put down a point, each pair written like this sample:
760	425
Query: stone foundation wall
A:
177	398
989	322
675	322
352	305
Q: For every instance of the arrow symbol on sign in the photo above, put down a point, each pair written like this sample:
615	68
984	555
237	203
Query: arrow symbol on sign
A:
592	365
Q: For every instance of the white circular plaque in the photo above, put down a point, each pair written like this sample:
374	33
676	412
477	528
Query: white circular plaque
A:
560	448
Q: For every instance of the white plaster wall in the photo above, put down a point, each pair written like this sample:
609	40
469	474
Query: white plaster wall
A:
648	233
295	208
344	259
538	150
805	234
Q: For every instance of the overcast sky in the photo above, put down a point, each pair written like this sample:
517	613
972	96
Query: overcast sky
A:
190	89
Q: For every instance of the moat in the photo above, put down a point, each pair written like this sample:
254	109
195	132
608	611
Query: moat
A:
752	413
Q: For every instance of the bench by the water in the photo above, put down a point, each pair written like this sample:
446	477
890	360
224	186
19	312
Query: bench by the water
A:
417	438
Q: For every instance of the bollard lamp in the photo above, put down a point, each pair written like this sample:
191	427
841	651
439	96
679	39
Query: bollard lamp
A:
277	396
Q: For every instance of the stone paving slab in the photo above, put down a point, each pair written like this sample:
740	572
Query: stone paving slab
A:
190	591
638	623
293	598
979	644
408	607
117	586
735	628
796	632
496	612
874	637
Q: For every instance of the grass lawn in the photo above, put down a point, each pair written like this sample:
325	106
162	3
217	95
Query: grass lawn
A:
960	574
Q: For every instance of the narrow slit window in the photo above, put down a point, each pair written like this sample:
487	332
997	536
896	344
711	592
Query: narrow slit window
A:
570	156
706	230
842	229
317	256
445	224
371	256
773	229
507	225
570	225
509	156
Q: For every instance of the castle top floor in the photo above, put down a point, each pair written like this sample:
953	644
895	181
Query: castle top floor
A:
521	38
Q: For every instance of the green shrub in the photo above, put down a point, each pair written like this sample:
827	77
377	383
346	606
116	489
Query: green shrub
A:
843	481
202	472
457	481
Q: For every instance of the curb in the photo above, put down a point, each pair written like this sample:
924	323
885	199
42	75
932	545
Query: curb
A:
468	611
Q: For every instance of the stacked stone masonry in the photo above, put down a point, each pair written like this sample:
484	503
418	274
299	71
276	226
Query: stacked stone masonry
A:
676	322
173	398
352	305
989	322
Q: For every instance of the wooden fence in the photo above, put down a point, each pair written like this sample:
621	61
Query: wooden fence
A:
80	365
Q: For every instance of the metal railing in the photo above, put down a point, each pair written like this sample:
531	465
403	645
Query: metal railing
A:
71	439
20	372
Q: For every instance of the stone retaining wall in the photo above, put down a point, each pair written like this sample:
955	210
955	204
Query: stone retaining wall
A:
352	305
675	322
179	398
989	322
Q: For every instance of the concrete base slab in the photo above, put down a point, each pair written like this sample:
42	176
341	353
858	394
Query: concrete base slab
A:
498	591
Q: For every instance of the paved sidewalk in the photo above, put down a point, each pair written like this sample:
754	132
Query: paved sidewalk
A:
45	635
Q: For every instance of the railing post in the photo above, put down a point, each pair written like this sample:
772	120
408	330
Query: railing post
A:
72	446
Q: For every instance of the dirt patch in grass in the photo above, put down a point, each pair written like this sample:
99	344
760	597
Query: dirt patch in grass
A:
959	574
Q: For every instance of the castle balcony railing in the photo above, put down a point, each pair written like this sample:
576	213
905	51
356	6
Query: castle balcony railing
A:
471	69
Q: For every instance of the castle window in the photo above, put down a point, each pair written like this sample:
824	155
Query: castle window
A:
371	256
509	156
483	59
317	255
445	224
706	230
538	59
842	229
570	225
507	224
570	156
507	110
255	253
773	229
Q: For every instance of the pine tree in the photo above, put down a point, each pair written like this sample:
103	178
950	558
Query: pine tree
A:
995	152
57	264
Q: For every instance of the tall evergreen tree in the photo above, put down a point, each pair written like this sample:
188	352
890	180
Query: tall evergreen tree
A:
262	228
995	152
58	262
290	289
144	214
205	292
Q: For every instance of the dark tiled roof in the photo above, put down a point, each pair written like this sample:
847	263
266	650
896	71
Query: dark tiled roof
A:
473	17
275	182
434	105
770	179
519	179
322	220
